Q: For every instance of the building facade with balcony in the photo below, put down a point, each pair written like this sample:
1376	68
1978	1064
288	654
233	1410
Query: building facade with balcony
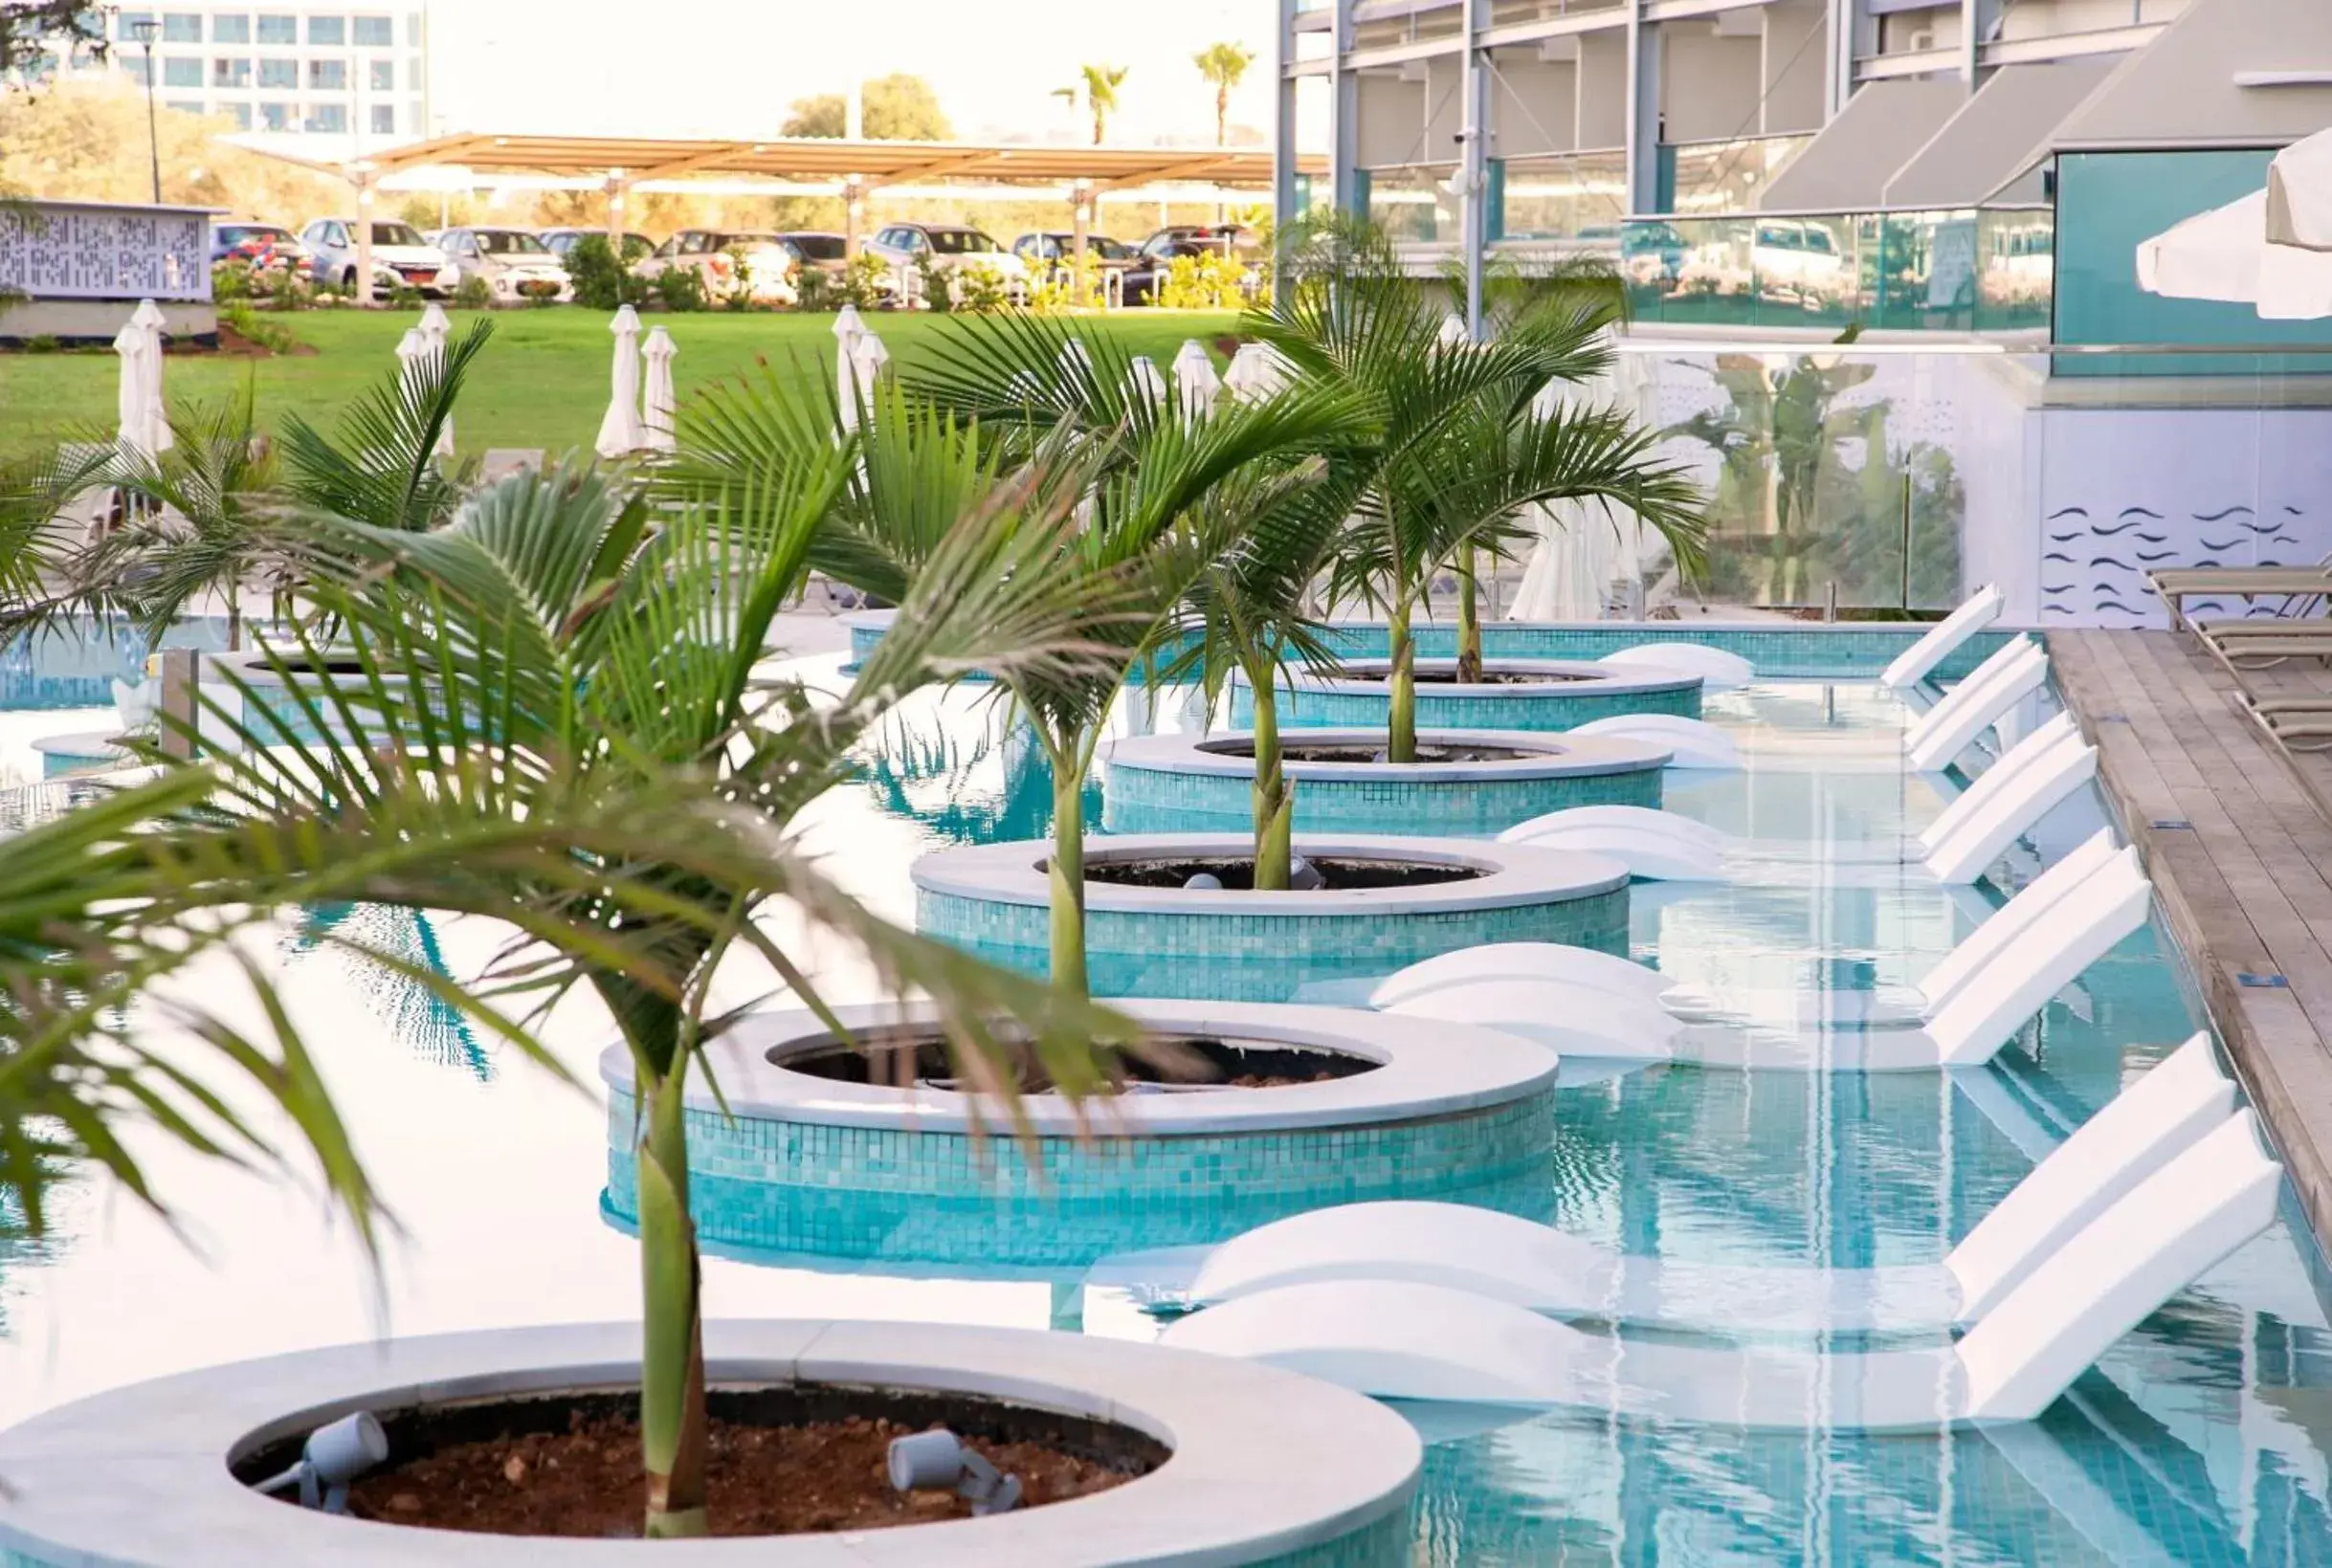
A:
325	83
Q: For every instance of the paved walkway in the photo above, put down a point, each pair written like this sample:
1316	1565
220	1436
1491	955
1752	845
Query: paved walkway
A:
2237	843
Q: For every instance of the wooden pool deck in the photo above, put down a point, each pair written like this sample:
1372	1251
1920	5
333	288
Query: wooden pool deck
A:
2237	841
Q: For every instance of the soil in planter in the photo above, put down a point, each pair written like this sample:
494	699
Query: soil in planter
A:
1425	754
782	1462
1178	1061
1341	874
1492	676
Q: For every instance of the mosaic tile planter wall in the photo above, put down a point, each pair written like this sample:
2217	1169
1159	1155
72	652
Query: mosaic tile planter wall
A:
788	1164
1263	947
1589	692
1176	783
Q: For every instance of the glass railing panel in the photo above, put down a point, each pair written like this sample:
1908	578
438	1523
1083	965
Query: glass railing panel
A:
1702	179
1566	196
1412	205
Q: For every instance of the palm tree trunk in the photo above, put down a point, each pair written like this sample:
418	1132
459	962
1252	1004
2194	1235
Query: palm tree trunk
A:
1275	802
1222	115
672	1432
1067	874
1401	684
1469	617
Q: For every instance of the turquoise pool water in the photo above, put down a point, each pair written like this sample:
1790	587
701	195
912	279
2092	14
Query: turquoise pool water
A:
2204	1437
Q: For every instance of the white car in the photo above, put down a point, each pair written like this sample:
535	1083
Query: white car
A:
512	262
401	258
716	254
950	248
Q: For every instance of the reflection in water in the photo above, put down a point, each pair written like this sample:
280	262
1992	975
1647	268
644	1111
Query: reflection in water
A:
967	772
435	1029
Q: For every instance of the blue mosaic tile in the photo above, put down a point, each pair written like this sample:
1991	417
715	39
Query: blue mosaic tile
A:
1559	706
1259	958
1162	800
760	1186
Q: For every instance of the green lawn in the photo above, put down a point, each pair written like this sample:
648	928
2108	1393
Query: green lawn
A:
543	382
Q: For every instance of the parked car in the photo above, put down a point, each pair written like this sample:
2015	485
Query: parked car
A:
1222	238
714	255
1796	260
512	262
1047	247
400	255
637	247
262	244
948	247
1152	264
815	249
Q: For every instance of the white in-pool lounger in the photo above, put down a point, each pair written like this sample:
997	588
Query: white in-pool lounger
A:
1975	705
1717	669
1400	1339
1942	639
2183	1100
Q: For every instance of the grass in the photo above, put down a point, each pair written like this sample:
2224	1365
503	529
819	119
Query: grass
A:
543	382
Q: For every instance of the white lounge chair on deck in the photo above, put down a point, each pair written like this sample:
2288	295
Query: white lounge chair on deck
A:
1403	1339
2183	1100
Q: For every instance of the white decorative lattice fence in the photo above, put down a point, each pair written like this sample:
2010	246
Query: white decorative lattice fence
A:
86	250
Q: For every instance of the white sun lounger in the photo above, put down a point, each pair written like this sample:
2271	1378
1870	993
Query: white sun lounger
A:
1717	669
2158	1118
1942	639
1975	705
1403	1339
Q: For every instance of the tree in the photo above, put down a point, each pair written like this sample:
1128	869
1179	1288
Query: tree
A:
894	108
1223	65
1446	447
32	31
1098	85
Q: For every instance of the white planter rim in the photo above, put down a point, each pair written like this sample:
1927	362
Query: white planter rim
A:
1448	1071
1546	754
1013	873
1264	1462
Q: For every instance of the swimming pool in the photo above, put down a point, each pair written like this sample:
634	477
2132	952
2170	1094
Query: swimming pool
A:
2203	1439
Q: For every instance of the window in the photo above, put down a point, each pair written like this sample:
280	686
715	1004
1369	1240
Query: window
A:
230	29
177	71
230	73
412	29
327	119
961	241
327	29
182	106
136	65
275	116
126	25
278	73
397	234
383	77
384	120
375	32
328	75
239	113
180	27
279	30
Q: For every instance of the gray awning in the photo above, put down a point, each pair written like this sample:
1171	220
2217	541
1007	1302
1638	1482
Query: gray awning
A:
2183	89
1998	134
1846	169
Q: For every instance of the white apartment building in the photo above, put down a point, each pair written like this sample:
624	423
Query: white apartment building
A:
323	81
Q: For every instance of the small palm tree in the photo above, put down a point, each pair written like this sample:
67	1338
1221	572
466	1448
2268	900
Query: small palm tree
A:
1224	65
565	652
1446	449
1098	85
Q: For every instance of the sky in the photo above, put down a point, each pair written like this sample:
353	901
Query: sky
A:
734	67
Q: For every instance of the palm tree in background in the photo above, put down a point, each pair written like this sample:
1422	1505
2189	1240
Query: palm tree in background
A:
1224	65
1097	85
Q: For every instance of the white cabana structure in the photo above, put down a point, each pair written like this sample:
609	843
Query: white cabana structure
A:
620	433
1196	384
659	402
145	421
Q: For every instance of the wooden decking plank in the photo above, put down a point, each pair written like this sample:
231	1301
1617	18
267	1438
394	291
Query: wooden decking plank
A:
2243	887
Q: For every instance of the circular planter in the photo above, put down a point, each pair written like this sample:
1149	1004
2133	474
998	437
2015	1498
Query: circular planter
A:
86	751
792	1162
145	1474
1234	945
1467	781
1521	694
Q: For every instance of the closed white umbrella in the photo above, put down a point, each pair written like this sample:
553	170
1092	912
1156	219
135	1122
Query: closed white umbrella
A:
868	360
1196	384
1453	330
2224	254
657	415
431	336
435	324
619	433
1256	373
146	423
1579	546
2300	194
1143	378
849	330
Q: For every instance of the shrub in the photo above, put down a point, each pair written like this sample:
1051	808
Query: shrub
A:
866	282
815	290
676	288
737	293
40	342
602	281
251	326
939	293
979	287
473	293
1211	281
401	297
231	279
